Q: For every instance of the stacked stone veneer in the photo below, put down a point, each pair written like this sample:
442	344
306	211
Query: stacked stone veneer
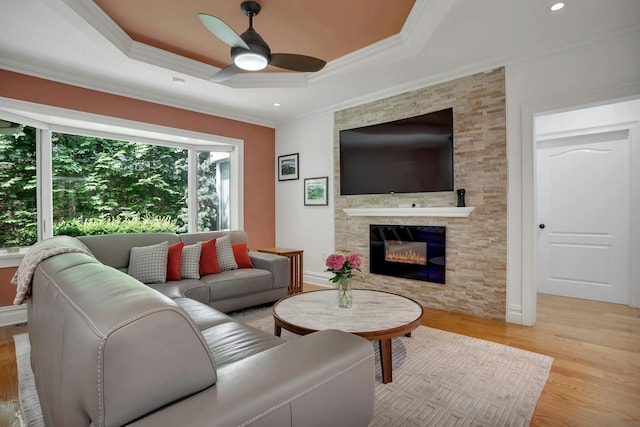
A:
476	245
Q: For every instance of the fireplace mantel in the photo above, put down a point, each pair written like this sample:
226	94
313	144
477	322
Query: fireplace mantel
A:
446	211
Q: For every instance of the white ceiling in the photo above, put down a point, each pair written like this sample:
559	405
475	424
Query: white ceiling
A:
72	41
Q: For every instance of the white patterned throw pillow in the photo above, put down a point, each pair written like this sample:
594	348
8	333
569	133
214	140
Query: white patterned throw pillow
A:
225	254
148	264
190	261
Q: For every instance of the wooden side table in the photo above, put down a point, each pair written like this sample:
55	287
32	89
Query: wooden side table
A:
295	266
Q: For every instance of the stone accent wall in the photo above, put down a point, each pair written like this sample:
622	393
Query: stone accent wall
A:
476	246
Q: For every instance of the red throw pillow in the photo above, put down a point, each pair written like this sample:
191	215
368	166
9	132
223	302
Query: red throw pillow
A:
241	255
173	261
209	258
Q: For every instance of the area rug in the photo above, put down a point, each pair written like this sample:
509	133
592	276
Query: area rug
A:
439	379
446	379
29	403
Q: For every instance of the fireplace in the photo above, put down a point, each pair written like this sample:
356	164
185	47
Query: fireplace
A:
408	251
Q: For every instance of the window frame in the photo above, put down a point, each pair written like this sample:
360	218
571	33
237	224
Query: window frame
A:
48	120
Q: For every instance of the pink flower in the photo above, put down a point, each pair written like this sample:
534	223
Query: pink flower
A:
335	261
354	260
342	267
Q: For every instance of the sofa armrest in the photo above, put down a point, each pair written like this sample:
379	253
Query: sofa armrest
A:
278	266
321	379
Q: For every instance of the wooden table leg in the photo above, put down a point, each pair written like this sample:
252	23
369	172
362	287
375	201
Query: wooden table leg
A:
386	360
277	330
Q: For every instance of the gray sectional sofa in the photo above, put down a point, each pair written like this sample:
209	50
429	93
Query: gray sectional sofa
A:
108	350
226	291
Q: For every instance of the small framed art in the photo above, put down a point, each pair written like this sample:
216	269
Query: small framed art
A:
315	191
288	167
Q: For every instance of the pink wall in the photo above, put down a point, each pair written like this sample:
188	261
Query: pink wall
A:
259	141
7	290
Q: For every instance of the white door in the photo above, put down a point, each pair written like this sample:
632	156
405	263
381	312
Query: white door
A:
584	185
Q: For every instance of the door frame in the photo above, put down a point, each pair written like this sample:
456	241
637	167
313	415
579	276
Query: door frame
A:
616	130
527	231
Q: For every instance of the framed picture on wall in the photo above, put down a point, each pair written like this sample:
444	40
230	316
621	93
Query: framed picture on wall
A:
288	167
315	191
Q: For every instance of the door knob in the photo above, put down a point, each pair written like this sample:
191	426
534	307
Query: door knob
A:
541	226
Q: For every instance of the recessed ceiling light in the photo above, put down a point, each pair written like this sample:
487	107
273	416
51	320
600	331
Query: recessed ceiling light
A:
557	6
178	81
276	104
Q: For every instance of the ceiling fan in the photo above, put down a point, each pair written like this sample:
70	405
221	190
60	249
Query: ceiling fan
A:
250	52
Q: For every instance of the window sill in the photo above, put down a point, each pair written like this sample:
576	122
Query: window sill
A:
11	258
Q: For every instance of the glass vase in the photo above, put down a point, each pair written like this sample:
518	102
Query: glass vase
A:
345	295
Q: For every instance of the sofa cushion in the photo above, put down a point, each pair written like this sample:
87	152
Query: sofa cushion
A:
241	255
174	255
233	341
202	236
187	288
148	264
190	263
209	258
234	283
226	260
113	249
202	315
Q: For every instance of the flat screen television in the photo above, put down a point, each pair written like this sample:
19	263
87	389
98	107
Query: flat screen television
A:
412	155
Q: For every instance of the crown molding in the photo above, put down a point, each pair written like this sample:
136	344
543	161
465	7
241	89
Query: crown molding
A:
429	11
105	26
101	22
170	61
361	58
267	81
424	19
478	67
404	87
413	20
74	78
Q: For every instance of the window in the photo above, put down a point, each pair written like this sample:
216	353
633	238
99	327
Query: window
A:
106	180
55	176
213	191
18	185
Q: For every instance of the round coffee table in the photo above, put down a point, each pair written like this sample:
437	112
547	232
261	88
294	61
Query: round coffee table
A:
375	315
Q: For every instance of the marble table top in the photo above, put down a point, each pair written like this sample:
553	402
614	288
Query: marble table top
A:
371	311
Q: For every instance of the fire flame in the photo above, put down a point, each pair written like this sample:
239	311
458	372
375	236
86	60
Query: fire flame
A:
406	257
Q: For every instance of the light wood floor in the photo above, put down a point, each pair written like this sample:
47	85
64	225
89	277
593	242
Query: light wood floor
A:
594	380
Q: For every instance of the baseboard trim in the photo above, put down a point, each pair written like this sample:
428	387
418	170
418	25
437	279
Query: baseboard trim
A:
316	278
13	315
514	314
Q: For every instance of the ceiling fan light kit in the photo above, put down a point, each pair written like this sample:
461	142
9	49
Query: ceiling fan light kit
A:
250	61
249	52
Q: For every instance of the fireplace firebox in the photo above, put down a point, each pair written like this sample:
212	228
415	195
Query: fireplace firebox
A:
408	251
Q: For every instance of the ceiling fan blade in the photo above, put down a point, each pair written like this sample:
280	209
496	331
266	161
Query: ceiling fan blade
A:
225	73
222	31
291	61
